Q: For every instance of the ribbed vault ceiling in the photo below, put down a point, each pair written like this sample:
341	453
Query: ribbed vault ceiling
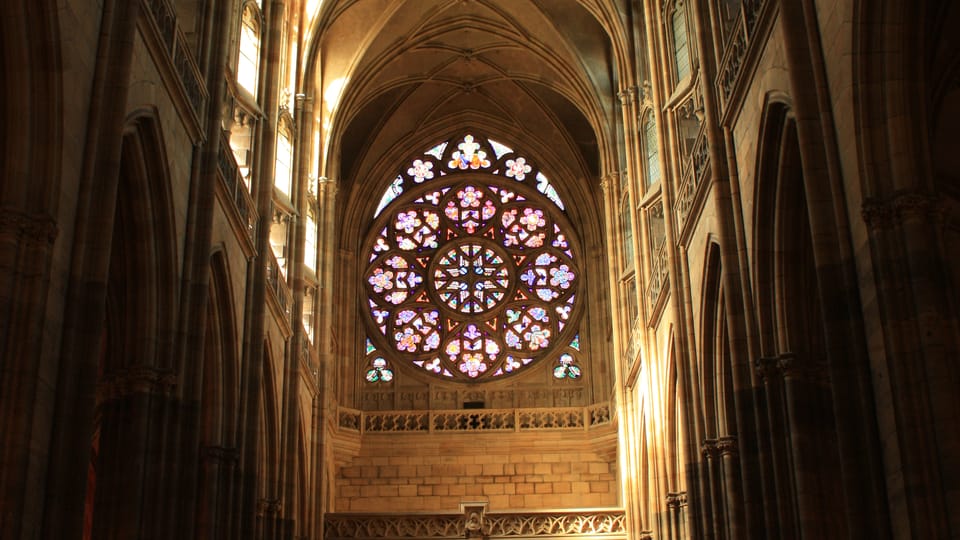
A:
534	73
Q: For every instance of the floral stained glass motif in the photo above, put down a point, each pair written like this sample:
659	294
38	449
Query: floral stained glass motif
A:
379	372
471	274
518	168
378	368
524	227
469	156
471	209
567	368
416	229
421	170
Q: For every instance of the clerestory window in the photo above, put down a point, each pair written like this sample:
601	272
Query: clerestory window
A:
651	152
248	60
283	168
681	49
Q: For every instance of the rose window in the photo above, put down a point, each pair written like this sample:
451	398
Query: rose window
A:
471	269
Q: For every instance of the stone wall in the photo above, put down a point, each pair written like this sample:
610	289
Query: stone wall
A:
513	471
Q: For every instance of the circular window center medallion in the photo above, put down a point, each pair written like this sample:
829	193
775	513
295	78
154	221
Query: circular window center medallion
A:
471	278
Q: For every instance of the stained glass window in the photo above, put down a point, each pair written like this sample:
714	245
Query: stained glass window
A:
248	61
379	370
651	150
283	170
472	269
681	50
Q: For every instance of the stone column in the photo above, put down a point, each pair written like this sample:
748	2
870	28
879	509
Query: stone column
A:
781	499
268	513
611	223
218	464
676	515
183	453
806	435
714	489
252	373
131	402
730	472
864	509
85	303
916	321
26	243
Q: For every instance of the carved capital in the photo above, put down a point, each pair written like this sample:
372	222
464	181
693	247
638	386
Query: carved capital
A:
137	380
794	367
647	93
727	446
219	454
789	365
883	214
627	95
605	184
767	368
268	507
23	226
708	448
328	185
676	500
610	179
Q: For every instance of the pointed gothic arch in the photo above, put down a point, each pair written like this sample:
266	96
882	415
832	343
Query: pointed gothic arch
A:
134	368
143	264
218	405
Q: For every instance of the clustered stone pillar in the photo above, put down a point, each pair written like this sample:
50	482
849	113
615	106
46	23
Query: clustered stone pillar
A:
676	515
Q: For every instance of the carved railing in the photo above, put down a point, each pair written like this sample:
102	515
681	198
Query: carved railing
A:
237	189
278	284
698	168
599	414
738	43
633	345
181	57
659	274
587	523
305	344
493	420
